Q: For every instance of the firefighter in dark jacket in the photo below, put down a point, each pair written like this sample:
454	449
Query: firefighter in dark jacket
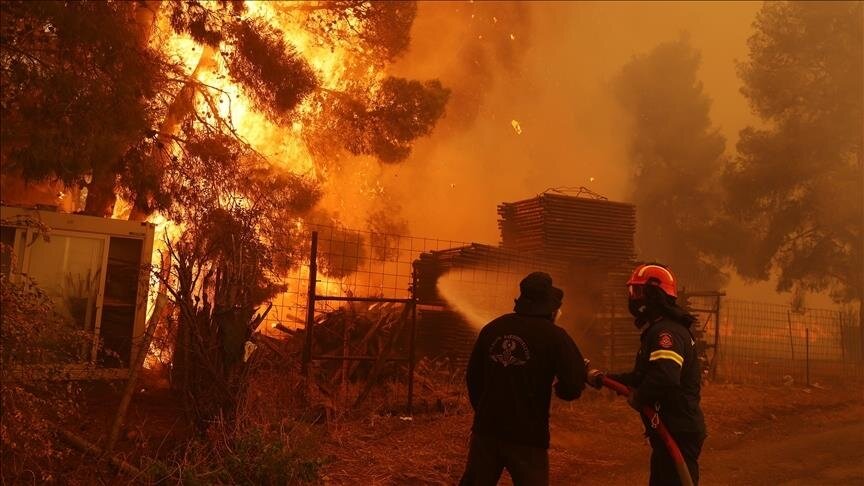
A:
667	373
510	380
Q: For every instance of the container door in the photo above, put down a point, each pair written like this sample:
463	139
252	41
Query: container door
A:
69	268
123	281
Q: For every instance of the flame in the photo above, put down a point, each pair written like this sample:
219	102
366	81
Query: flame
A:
284	146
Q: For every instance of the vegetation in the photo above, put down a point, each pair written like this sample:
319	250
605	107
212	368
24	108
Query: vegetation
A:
677	155
795	190
31	402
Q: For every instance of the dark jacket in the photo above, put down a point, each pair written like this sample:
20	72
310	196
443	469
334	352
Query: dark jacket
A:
667	373
510	374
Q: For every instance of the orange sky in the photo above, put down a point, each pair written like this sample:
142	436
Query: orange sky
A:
571	127
554	80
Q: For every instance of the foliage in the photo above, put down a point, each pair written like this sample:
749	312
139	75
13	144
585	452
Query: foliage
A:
275	75
258	459
205	23
77	90
92	97
385	123
676	153
232	207
217	171
220	274
246	456
30	401
796	186
383	28
270	439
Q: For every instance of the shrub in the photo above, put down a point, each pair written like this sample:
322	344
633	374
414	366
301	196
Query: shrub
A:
32	399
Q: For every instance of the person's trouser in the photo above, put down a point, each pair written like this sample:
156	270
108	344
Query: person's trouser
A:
663	472
488	456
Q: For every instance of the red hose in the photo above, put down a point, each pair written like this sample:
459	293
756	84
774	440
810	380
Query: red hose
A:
656	424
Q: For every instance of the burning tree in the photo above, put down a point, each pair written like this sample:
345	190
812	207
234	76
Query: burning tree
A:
105	96
218	120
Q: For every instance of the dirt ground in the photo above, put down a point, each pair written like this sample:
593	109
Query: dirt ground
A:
757	436
770	436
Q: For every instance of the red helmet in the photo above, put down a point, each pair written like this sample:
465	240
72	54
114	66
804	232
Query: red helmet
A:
653	274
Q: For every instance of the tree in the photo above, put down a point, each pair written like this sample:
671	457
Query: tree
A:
383	123
223	266
383	28
76	91
98	101
676	155
275	76
31	406
795	189
137	100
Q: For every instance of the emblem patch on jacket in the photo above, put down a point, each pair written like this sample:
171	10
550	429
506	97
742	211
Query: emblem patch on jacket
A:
664	340
509	350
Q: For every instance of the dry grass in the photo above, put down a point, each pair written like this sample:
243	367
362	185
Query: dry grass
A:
282	431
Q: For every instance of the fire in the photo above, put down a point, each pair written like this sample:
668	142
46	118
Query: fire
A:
336	67
282	145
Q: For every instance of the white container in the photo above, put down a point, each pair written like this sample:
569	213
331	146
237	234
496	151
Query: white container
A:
96	271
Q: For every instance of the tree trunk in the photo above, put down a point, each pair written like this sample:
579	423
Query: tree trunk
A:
100	194
860	259
180	108
145	17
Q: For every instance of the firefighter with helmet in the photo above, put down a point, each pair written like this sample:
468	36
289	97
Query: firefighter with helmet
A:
667	374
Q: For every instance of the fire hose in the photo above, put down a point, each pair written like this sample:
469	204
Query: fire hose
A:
654	421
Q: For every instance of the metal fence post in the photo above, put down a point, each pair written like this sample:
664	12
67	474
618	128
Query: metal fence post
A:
310	303
791	340
716	339
807	352
411	344
611	337
842	340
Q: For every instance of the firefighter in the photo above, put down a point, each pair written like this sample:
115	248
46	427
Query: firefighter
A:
667	374
510	378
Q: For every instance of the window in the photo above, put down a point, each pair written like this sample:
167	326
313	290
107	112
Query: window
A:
69	270
7	247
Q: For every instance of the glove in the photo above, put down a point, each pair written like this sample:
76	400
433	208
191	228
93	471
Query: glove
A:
595	378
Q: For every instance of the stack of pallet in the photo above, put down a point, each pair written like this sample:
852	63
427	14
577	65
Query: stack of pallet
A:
568	227
444	333
586	244
587	232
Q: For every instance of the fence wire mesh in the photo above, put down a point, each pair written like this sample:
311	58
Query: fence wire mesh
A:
461	286
363	264
771	342
377	293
